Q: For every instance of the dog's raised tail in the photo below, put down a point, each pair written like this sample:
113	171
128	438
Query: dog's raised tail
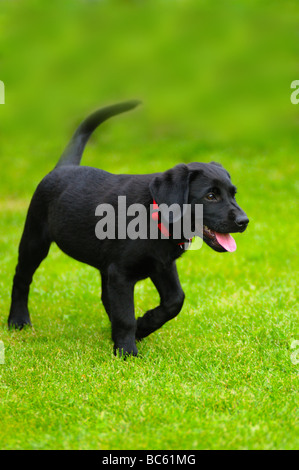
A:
73	152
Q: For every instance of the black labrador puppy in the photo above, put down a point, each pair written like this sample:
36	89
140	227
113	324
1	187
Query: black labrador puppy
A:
63	208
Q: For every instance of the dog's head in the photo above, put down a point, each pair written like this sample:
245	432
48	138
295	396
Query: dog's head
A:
208	184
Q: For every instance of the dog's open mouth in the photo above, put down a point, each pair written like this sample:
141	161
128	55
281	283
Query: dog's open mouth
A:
219	241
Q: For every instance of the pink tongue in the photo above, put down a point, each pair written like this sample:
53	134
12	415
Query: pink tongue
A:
226	240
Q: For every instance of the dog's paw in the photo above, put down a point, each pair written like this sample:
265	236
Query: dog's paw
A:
18	319
125	350
18	324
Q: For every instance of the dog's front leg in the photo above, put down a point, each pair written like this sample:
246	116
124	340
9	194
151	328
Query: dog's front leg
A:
167	282
120	293
105	293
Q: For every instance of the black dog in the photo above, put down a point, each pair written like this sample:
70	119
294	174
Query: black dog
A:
63	210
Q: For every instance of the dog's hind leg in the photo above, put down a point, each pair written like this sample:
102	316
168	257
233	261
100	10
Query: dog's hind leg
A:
172	297
34	247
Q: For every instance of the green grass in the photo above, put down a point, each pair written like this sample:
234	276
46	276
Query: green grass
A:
220	375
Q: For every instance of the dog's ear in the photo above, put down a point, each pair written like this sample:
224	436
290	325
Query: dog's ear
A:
172	187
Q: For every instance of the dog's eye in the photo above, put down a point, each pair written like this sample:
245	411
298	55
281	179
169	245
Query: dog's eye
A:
211	197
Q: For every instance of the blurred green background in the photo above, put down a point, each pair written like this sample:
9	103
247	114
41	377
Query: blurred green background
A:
211	73
215	82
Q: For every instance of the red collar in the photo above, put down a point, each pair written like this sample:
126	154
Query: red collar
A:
161	226
156	216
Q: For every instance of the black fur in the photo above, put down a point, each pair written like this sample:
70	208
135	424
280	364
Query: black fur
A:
62	210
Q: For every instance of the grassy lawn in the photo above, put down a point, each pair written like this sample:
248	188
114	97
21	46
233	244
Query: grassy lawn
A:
220	375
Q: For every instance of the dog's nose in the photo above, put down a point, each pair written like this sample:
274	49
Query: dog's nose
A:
242	221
